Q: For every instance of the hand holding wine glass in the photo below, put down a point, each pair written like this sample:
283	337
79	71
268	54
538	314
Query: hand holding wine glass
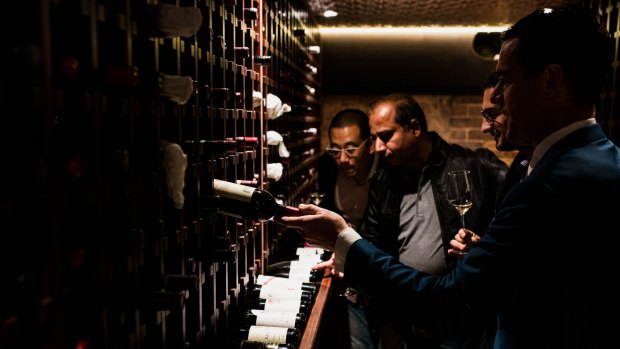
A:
460	192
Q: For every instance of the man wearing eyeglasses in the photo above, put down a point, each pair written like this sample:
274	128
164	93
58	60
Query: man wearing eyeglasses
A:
409	215
347	165
494	123
344	172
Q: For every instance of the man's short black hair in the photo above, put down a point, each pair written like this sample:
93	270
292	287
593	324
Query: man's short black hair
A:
570	36
349	117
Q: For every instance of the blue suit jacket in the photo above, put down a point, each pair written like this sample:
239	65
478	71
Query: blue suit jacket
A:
546	264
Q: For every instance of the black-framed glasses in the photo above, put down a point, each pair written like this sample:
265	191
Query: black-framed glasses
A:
350	151
490	114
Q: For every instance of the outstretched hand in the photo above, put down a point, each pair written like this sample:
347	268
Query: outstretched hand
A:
320	227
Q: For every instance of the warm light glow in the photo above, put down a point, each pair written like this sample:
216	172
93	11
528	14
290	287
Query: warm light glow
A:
408	30
330	13
314	49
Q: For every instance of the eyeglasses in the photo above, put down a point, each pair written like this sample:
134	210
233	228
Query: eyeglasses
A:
350	151
490	114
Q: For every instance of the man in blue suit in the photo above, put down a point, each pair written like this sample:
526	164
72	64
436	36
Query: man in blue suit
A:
545	263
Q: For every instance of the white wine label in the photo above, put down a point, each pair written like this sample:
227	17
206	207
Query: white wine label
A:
276	319
261	311
268	334
282	305
301	276
278	281
309	250
277	292
233	190
301	266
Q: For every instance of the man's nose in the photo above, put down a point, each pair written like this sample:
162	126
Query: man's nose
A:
379	145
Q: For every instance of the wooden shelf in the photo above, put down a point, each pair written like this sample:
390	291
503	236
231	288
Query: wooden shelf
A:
310	338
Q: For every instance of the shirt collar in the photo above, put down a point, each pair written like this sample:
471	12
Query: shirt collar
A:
553	138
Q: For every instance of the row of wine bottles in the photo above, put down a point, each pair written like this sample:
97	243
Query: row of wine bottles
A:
280	302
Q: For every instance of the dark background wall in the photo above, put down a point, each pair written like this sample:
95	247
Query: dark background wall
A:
401	62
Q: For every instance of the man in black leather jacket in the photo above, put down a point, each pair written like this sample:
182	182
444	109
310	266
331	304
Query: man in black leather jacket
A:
409	216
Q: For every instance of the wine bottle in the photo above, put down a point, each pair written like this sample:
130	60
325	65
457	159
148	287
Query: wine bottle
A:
220	147
246	344
307	276
220	94
280	292
242	52
270	334
168	21
244	143
262	60
248	203
285	282
248	182
296	267
250	14
176	88
274	318
286	305
308	253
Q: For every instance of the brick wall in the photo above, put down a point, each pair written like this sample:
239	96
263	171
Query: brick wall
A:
456	118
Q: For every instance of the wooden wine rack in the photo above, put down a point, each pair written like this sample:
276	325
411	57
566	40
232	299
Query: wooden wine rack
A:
91	229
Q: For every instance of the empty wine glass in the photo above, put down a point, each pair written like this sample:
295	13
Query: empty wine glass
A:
460	192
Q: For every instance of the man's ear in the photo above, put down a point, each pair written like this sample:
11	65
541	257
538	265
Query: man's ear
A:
414	126
552	78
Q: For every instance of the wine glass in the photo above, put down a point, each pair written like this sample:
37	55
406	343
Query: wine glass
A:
460	192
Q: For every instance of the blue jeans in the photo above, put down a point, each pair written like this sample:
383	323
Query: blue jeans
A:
359	331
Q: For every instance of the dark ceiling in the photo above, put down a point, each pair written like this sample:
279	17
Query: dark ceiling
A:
418	63
355	13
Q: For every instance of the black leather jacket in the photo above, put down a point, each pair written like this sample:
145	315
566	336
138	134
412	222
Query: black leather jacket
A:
381	222
326	183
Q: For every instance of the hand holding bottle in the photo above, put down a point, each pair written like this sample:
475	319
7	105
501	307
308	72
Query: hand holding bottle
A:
320	227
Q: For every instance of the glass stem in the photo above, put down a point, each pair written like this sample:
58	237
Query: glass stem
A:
463	221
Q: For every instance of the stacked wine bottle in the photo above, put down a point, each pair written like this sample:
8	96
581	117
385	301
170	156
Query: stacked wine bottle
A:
279	302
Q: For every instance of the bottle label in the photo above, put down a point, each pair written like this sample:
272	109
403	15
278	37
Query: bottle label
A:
268	334
309	250
275	318
302	266
278	281
289	305
316	258
233	191
299	275
277	292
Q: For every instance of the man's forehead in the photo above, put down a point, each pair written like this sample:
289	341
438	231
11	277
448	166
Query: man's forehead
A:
506	57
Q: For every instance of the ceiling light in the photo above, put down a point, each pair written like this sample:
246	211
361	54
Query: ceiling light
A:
314	49
407	30
330	13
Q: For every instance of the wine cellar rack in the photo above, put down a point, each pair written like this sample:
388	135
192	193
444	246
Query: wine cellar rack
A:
112	239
